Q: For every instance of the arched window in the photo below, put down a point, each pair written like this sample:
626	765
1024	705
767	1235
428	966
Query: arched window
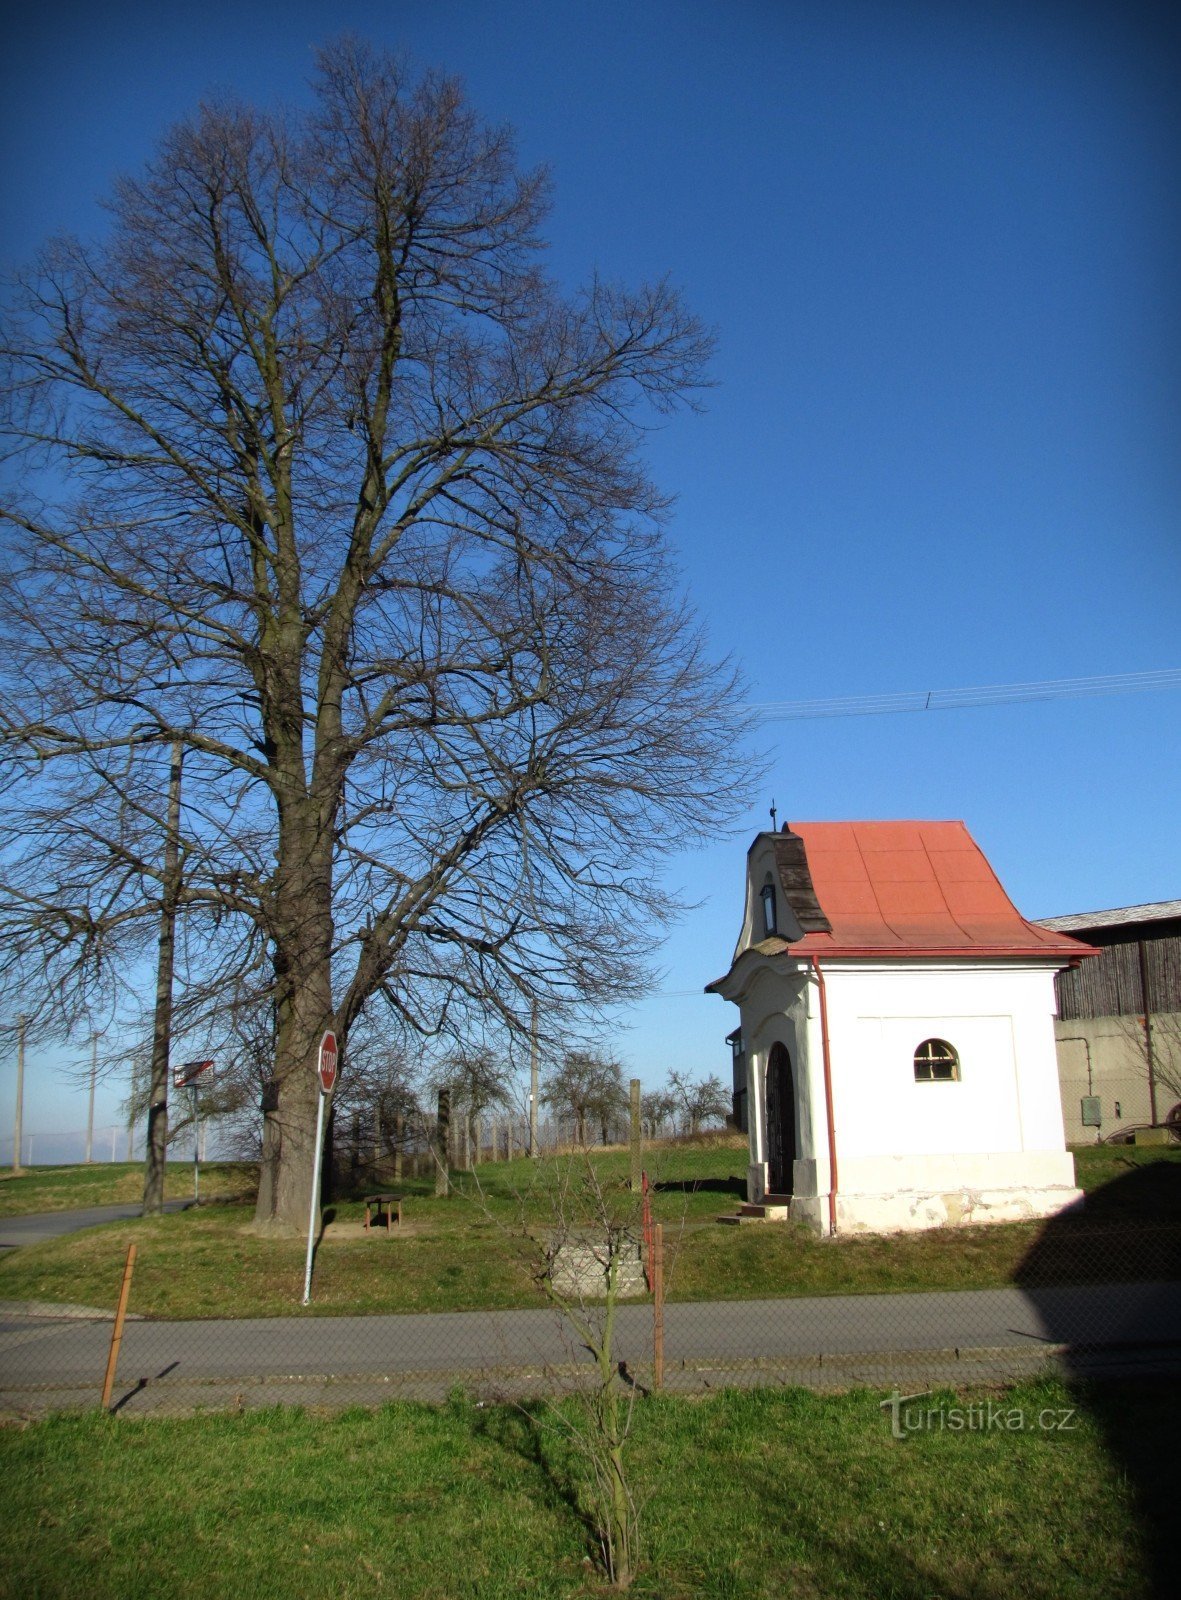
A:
770	918
936	1061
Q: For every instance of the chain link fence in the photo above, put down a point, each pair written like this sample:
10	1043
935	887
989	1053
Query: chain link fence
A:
529	1276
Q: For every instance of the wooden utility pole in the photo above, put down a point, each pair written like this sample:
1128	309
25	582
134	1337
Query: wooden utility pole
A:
18	1114
443	1143
157	1151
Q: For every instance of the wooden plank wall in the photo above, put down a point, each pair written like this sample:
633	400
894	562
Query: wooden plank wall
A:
1109	984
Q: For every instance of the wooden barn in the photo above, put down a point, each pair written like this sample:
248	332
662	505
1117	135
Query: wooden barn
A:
1119	1022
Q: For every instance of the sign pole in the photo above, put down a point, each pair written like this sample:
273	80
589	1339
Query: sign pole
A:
185	1077
326	1069
307	1274
196	1145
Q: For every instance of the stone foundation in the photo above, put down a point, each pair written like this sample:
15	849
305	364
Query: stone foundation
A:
902	1194
913	1211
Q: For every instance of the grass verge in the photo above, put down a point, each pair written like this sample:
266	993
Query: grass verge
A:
460	1253
119	1183
747	1495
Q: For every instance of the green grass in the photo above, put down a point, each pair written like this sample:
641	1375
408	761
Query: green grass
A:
747	1495
40	1189
464	1252
1096	1165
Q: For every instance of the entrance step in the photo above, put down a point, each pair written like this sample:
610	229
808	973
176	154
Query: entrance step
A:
772	1208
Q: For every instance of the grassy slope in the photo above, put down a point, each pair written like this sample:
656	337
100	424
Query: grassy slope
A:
461	1253
41	1189
747	1495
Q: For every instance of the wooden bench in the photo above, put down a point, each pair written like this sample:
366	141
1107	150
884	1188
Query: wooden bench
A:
392	1204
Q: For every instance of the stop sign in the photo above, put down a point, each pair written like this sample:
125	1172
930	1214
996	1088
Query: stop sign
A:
327	1063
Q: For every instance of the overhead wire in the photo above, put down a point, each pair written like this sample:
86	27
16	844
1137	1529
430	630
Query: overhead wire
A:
998	694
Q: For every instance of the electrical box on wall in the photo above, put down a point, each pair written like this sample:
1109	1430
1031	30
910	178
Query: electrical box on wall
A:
1092	1115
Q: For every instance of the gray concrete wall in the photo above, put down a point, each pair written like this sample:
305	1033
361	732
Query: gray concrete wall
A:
1106	1057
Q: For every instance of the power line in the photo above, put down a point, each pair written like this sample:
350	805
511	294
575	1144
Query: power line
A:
999	694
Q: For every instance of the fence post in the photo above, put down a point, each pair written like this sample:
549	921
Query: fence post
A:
117	1330
658	1308
646	1224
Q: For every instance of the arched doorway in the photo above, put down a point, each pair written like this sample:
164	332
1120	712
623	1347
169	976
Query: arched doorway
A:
781	1122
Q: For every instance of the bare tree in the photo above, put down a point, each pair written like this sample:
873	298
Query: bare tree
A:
586	1085
478	1082
319	476
579	1237
657	1107
699	1100
1154	1046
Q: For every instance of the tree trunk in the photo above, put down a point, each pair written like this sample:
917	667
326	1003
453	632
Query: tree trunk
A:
303	1010
288	1150
290	1106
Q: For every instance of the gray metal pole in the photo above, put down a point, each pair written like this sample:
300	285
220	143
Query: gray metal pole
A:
307	1275
196	1144
131	1115
90	1113
18	1115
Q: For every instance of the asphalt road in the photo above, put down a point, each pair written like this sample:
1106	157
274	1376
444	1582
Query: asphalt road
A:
61	1354
17	1231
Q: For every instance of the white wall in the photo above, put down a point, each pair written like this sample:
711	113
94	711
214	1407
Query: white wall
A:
1000	1022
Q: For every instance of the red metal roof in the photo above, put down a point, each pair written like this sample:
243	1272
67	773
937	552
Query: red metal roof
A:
911	888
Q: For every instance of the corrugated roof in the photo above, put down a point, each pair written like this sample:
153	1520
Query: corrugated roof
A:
1157	911
909	888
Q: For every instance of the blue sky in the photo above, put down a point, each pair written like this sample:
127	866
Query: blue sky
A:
939	245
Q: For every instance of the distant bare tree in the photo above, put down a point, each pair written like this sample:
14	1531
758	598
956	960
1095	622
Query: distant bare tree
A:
479	1082
1165	1074
657	1106
586	1086
317	474
699	1100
